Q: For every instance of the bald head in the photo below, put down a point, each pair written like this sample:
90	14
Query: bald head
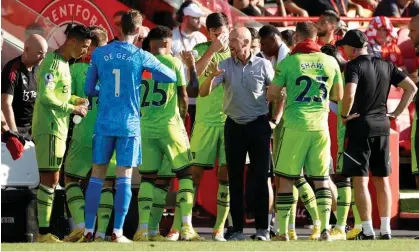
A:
241	33
35	49
414	31
240	43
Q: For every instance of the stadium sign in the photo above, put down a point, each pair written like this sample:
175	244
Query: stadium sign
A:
64	12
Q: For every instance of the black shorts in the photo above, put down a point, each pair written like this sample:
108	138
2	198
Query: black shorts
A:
362	153
26	132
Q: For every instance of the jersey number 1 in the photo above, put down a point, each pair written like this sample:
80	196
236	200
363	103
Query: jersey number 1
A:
117	73
322	86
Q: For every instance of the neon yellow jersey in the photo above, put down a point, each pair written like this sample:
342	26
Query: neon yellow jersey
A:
83	132
341	127
308	79
209	109
159	101
53	104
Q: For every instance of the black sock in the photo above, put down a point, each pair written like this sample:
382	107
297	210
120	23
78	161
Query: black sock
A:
44	230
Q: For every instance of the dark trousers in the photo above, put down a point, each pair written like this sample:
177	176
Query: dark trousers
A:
253	137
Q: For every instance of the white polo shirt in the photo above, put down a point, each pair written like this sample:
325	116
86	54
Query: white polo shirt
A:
189	40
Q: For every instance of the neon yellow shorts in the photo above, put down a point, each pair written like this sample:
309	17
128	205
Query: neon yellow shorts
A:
207	144
277	135
174	147
308	149
49	151
78	162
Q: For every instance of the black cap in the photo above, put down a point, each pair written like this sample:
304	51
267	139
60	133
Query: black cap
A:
353	38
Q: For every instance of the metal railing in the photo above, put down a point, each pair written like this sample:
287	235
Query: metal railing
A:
275	19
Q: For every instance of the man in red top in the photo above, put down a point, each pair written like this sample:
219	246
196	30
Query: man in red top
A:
328	25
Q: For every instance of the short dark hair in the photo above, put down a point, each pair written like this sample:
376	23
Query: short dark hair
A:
269	31
179	13
79	32
146	45
130	21
119	13
159	33
216	20
254	33
333	16
99	35
288	37
306	29
333	51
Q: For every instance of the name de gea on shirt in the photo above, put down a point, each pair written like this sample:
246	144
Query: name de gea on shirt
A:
308	65
122	56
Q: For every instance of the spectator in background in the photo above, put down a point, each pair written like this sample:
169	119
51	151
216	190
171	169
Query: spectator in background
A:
255	45
293	8
241	4
382	38
187	35
288	36
397	8
117	22
367	4
18	85
327	25
318	7
256	8
164	18
271	44
220	6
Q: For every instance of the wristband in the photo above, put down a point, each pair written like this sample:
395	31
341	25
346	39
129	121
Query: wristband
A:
343	117
274	121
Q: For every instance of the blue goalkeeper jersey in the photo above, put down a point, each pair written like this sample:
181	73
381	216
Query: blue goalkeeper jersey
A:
117	70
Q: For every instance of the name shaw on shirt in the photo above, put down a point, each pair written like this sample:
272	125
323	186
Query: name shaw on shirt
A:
120	56
311	65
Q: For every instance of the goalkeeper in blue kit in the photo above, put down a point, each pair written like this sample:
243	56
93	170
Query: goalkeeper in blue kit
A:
118	68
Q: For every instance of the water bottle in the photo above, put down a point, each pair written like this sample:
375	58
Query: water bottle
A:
77	118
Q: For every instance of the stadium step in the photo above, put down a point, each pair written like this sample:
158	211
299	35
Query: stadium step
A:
409	203
409	209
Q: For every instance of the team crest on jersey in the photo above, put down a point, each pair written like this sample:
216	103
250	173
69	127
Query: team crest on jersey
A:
49	80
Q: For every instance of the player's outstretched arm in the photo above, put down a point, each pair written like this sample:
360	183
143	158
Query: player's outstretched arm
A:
161	73
193	85
215	78
92	78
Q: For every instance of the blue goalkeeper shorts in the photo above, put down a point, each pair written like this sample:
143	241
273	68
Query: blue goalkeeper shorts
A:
128	150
